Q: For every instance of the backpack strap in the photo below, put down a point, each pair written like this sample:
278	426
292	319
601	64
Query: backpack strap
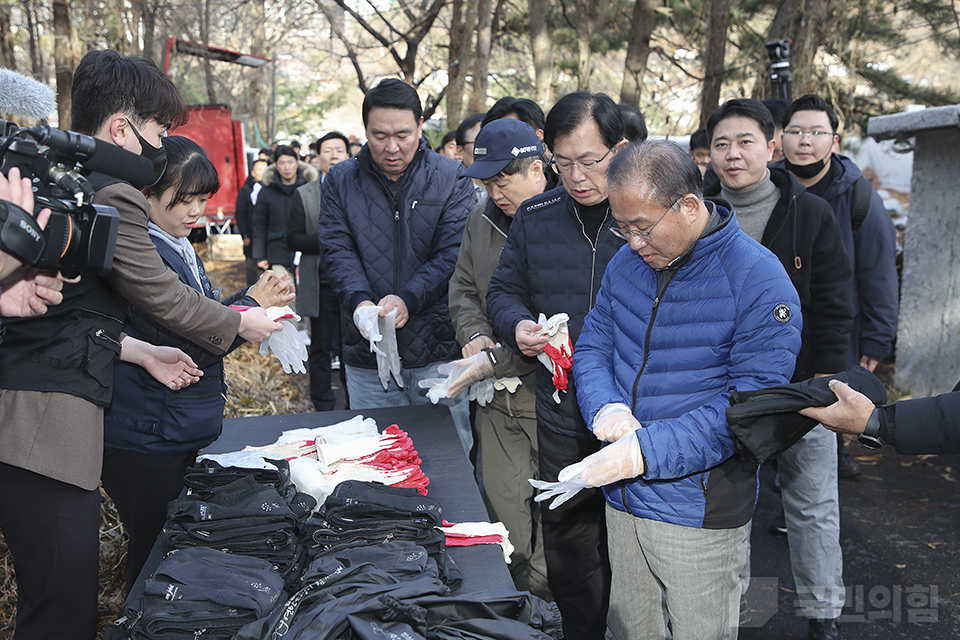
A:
861	203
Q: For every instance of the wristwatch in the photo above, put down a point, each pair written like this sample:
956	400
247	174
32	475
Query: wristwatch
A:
870	437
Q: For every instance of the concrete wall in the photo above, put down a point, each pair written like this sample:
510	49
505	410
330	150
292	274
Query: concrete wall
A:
928	339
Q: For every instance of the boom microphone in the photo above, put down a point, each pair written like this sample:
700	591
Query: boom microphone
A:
23	96
96	155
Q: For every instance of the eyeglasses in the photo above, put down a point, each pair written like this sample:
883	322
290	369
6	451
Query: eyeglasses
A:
626	234
588	166
814	133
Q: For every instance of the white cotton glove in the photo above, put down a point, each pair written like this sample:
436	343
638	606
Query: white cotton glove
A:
618	461
288	347
460	374
613	421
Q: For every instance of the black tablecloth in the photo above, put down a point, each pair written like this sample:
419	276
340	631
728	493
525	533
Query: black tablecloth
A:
435	438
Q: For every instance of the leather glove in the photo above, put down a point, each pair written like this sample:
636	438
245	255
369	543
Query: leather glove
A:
613	421
288	347
618	461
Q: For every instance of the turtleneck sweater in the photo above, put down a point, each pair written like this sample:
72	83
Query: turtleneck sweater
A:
753	205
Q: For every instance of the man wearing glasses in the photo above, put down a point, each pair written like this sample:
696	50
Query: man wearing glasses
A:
553	260
692	309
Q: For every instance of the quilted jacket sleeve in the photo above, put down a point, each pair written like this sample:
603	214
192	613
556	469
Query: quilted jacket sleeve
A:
341	259
509	298
763	353
430	282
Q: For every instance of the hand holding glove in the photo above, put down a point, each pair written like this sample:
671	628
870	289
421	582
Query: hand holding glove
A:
618	461
287	346
460	375
613	421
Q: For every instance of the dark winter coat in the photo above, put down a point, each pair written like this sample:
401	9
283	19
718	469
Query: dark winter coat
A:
271	213
872	253
376	244
802	232
549	266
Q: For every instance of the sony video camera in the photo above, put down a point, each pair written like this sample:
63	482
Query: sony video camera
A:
80	236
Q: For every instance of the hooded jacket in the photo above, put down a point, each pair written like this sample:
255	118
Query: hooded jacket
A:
377	243
271	213
872	253
803	233
549	265
671	344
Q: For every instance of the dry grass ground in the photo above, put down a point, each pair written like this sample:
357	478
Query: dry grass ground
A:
258	386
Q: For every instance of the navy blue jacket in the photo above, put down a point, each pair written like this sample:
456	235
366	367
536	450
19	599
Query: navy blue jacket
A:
148	417
874	293
671	344
376	244
549	266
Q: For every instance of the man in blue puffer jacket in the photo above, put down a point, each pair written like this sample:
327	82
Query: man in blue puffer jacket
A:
690	310
391	221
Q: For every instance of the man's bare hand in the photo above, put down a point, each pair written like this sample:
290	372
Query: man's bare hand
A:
27	292
530	345
868	363
170	366
391	302
848	415
273	289
477	345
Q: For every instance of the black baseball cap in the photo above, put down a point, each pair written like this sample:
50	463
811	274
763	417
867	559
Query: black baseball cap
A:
498	143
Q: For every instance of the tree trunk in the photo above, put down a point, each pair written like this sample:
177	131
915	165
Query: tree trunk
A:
542	51
638	50
258	76
36	61
148	16
718	20
585	16
7	59
809	37
461	48
481	65
205	62
63	59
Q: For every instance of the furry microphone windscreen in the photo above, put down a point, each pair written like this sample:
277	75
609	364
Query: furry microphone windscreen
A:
25	97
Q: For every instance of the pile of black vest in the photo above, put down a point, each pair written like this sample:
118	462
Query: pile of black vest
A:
254	514
370	564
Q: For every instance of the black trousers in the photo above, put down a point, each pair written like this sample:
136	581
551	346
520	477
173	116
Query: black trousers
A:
575	542
324	341
53	531
141	485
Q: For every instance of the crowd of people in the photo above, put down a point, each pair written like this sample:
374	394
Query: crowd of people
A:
610	290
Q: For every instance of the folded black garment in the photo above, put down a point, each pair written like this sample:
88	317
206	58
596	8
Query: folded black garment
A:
208	474
201	591
390	500
765	422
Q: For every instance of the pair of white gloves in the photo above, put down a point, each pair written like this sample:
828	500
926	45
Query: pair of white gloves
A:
381	332
619	460
287	344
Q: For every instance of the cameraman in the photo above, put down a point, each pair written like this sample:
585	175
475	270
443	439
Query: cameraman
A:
56	371
28	292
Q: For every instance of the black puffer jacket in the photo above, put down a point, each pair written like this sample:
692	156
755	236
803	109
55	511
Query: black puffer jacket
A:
804	235
376	244
549	266
271	213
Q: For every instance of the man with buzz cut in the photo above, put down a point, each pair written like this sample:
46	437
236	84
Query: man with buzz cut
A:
391	221
509	159
773	209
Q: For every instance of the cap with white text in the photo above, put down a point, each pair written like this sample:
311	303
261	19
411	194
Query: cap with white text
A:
498	143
